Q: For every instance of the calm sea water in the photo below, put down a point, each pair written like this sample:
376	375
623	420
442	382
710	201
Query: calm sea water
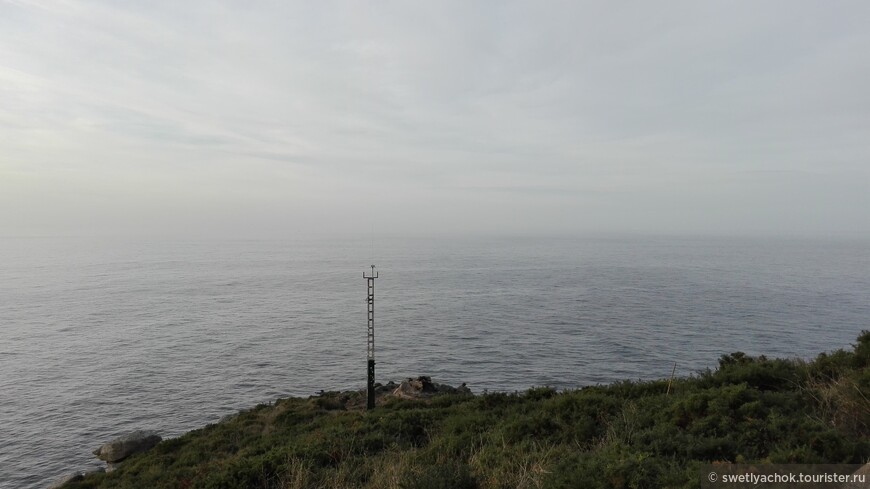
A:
102	337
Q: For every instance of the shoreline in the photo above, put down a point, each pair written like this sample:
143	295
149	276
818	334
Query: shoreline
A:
750	410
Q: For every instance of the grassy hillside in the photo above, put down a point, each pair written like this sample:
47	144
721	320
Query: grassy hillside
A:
628	434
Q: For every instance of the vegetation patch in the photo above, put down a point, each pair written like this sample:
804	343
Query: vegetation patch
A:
624	435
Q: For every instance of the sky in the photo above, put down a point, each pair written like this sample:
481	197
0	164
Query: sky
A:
282	119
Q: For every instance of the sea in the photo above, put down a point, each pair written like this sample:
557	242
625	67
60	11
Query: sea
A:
99	337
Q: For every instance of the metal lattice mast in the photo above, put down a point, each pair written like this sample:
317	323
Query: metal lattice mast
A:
371	338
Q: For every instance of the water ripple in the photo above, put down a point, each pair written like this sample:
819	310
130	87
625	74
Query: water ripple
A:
103	338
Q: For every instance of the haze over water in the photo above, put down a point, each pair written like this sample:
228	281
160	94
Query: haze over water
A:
102	337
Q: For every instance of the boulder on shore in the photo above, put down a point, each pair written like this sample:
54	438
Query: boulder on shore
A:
126	445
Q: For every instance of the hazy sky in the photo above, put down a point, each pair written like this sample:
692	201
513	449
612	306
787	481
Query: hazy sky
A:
284	118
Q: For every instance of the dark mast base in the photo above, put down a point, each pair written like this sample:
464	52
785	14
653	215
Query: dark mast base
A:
371	385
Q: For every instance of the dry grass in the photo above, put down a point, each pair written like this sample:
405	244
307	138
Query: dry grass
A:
842	403
518	467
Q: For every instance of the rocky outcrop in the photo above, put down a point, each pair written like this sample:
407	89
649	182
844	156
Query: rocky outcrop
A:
422	388
122	447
